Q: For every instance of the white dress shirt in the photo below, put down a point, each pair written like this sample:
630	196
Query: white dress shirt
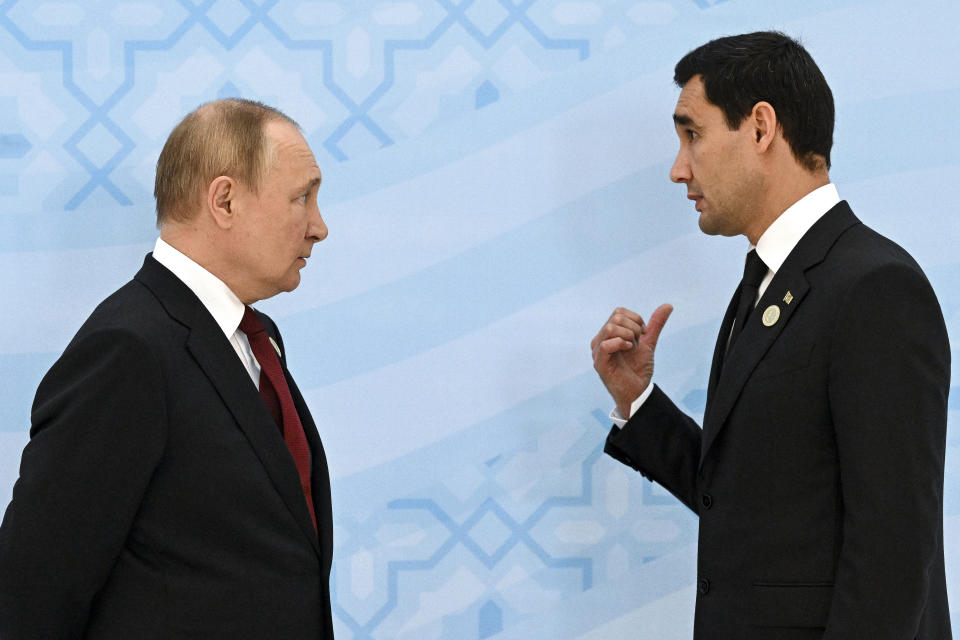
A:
773	247
222	303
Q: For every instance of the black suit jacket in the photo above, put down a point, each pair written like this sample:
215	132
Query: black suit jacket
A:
818	474
156	496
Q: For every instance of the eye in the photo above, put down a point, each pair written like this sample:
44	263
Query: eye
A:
691	134
302	199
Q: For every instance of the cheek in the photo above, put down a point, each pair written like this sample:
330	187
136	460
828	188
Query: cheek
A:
287	227
701	162
288	238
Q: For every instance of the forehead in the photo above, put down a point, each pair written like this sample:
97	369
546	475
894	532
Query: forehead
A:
291	153
693	104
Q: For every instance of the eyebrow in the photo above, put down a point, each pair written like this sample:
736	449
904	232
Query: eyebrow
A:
682	120
310	185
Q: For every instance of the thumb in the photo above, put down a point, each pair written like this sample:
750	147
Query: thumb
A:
655	325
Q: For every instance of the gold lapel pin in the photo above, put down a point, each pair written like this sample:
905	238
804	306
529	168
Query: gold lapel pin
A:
273	342
788	298
771	315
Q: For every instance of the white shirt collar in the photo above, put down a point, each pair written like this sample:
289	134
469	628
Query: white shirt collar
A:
225	307
782	236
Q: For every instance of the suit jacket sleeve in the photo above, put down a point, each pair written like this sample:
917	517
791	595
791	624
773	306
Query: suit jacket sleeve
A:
663	444
97	434
889	380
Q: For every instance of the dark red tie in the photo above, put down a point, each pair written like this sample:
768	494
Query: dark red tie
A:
276	394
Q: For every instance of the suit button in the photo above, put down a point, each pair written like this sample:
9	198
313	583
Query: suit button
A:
706	500
703	586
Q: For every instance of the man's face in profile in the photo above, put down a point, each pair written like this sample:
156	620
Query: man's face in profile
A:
713	163
278	226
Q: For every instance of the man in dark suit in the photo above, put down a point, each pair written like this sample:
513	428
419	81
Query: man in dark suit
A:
174	485
818	473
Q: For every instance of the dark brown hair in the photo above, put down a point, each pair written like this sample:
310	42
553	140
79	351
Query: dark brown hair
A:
767	66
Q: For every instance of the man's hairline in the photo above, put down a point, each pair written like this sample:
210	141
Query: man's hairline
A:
271	149
269	156
269	152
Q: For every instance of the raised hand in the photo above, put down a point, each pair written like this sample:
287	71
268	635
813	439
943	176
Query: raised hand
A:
623	353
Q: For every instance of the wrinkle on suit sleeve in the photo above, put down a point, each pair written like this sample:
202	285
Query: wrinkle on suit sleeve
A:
98	431
888	386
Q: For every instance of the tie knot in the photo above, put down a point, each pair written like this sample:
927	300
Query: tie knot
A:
250	323
754	270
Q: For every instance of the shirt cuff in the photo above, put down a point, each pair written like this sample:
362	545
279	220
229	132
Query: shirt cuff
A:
619	420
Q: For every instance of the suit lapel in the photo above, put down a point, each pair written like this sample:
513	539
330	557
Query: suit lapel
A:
216	357
750	347
727	384
320	472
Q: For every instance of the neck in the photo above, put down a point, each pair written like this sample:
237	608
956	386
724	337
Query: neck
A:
779	200
195	243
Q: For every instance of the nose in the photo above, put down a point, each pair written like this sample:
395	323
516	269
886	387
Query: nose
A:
680	171
317	231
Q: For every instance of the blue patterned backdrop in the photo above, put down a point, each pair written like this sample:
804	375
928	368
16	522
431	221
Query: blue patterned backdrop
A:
495	182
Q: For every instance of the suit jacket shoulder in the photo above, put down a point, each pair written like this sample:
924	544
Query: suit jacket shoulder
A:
156	497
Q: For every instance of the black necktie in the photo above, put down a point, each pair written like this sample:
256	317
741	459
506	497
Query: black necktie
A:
753	272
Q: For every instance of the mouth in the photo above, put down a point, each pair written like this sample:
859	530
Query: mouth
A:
696	197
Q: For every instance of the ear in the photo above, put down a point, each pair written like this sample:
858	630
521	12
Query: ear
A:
763	119
221	201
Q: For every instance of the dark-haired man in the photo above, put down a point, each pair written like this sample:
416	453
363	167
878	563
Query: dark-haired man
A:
818	473
174	485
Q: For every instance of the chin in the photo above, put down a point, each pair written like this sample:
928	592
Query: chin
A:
293	282
717	227
707	226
